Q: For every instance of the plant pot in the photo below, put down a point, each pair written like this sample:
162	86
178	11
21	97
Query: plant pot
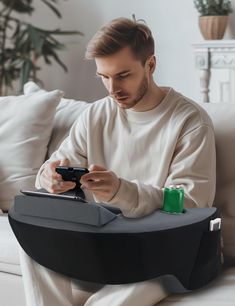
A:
213	27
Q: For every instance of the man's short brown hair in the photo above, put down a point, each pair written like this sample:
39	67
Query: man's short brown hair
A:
120	33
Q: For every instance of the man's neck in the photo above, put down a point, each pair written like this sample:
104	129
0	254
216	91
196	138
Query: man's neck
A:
152	99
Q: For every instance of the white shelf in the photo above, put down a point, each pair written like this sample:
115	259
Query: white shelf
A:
215	61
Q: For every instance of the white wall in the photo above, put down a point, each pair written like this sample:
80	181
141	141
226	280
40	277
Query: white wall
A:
174	24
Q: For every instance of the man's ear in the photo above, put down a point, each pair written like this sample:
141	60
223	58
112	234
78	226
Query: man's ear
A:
152	63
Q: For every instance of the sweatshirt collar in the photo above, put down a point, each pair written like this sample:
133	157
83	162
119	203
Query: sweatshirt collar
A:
135	116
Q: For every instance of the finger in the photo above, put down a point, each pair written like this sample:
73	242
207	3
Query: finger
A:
95	176
52	168
53	175
95	185
52	165
48	184
68	184
96	168
65	186
61	186
49	172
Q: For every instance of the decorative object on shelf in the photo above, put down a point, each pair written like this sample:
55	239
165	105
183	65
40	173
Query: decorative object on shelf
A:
213	18
22	43
215	63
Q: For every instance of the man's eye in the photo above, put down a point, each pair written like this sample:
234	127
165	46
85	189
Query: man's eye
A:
101	76
123	76
104	77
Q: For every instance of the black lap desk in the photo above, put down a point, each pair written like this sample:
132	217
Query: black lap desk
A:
123	250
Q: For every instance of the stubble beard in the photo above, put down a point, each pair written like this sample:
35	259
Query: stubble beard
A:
143	88
141	92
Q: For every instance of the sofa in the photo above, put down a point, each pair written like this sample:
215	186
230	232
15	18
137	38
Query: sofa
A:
33	125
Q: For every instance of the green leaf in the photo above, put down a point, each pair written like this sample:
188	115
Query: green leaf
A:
25	72
21	43
213	7
35	38
47	60
53	8
60	32
50	52
20	6
17	31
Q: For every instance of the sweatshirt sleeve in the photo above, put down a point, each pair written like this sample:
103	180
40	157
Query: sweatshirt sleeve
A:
192	167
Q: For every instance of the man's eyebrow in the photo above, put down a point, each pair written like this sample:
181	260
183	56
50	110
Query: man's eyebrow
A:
119	73
98	73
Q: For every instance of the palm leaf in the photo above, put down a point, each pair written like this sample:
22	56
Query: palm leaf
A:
53	8
51	53
21	43
20	6
25	72
35	38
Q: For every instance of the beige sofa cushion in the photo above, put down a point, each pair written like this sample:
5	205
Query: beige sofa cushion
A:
219	292
25	129
9	257
223	117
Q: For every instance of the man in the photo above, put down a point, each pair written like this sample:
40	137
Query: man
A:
137	140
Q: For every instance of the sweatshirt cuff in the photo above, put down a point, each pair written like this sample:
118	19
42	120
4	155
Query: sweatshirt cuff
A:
126	198
37	182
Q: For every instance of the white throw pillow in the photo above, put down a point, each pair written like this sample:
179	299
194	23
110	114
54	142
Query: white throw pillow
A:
25	128
67	112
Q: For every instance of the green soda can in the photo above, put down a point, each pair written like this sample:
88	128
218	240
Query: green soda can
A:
173	199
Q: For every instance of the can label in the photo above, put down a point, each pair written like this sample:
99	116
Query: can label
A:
173	199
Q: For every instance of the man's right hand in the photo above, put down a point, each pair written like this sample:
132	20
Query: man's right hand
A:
52	181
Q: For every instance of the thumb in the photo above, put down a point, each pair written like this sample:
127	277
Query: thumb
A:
64	162
96	168
54	164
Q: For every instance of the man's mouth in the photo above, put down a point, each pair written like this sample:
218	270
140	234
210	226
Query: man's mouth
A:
121	98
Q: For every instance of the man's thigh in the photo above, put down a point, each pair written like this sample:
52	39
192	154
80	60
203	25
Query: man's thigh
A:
146	293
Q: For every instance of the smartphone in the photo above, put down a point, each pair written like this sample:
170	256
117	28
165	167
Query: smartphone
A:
72	174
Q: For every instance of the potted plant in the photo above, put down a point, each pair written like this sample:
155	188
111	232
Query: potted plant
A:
22	43
213	18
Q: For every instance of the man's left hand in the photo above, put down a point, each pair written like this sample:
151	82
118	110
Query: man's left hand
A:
102	183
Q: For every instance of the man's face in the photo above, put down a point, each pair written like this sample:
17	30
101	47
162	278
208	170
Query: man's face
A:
125	78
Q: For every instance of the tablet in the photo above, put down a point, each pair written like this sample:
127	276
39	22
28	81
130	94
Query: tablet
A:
74	195
70	194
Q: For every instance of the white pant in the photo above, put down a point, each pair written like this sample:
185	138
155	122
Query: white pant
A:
44	287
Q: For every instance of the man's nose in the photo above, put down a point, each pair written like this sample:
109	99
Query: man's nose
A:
113	87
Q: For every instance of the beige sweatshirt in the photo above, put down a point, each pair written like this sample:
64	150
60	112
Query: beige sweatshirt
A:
170	144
